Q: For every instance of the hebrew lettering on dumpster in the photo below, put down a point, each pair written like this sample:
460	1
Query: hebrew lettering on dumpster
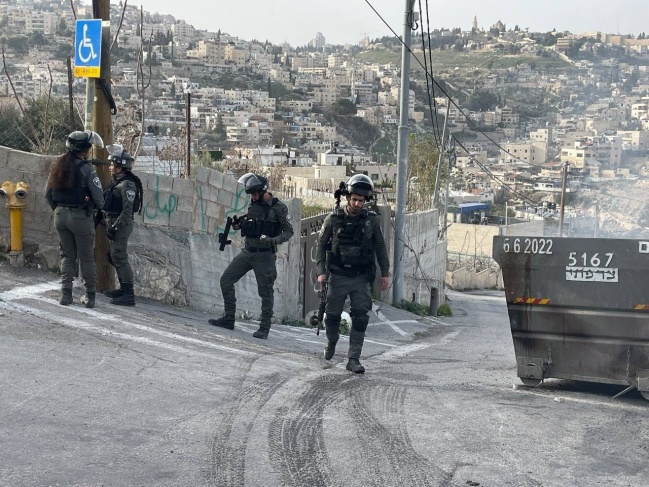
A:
595	267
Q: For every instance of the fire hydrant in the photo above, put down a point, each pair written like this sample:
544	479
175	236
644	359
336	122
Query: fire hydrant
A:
16	195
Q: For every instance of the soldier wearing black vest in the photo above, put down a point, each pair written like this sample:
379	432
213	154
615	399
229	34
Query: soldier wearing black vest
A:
349	242
74	191
265	226
122	198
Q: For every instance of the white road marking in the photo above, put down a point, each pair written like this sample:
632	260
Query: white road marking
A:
29	291
75	323
447	338
403	350
33	292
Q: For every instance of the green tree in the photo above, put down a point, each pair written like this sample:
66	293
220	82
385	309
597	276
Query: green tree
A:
37	39
10	134
18	44
482	100
46	124
422	171
62	28
344	106
219	129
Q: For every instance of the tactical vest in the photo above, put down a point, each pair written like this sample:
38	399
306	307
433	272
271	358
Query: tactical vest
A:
261	220
112	204
78	195
351	242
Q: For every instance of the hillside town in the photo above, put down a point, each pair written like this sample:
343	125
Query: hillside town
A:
523	107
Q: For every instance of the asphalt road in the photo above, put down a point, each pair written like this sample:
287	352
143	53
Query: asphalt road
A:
154	396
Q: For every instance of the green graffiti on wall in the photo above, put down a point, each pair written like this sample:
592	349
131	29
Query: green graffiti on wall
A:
156	208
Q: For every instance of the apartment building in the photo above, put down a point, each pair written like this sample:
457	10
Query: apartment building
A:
529	151
236	55
297	105
634	139
607	150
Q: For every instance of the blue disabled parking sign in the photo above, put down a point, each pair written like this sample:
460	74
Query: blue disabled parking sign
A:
87	48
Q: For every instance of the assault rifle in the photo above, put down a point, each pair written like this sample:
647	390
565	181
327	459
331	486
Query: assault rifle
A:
317	319
223	236
341	191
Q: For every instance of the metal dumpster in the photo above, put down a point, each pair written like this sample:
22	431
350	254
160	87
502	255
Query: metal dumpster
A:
578	308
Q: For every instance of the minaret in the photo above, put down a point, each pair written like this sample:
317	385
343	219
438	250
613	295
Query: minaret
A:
474	23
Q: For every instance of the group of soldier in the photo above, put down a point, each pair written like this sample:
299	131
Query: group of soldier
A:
75	194
350	242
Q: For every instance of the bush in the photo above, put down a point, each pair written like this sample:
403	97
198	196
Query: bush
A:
344	327
416	308
444	310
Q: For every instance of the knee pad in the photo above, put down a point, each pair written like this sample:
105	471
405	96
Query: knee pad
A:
360	319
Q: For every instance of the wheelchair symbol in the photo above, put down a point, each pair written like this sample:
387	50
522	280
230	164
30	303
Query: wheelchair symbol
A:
86	43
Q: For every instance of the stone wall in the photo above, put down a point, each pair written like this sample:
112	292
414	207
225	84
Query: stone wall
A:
174	248
424	259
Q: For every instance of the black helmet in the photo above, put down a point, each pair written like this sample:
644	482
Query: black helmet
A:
360	184
119	156
244	178
79	141
255	184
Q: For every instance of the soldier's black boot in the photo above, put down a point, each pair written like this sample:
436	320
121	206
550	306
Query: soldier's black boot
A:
354	365
262	332
115	293
226	321
332	327
88	300
356	339
126	299
66	297
329	350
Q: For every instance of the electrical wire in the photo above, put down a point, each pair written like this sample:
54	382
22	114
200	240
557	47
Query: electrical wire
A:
493	176
430	59
431	104
468	119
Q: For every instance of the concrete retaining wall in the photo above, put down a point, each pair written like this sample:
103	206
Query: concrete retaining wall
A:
424	259
174	248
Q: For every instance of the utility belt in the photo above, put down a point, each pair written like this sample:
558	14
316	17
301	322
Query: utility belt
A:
348	272
69	206
250	248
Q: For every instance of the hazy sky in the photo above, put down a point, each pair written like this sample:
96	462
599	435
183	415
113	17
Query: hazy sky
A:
345	21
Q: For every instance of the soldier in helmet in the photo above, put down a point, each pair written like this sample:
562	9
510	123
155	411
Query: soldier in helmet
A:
74	191
349	242
265	226
122	198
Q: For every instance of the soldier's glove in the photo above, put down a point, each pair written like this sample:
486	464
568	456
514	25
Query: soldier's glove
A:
110	233
236	222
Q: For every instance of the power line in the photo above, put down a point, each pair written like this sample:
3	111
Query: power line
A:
471	122
492	175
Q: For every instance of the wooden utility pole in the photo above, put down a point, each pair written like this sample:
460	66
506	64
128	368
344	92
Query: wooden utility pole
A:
71	95
102	124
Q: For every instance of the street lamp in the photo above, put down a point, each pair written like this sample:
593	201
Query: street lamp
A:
188	130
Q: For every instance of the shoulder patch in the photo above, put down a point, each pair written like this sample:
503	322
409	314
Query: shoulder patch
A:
96	181
130	195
